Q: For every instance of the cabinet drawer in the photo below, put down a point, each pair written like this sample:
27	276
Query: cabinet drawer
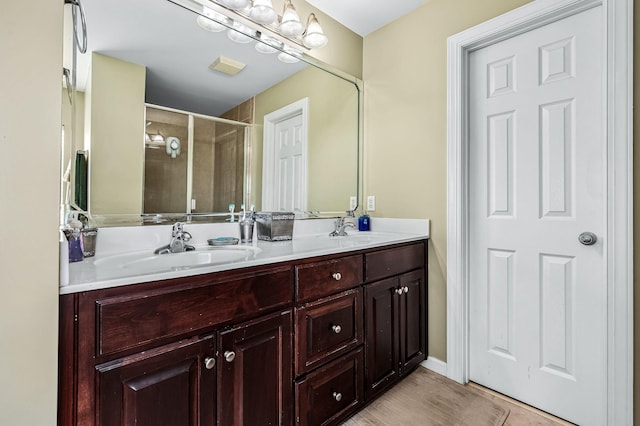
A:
315	280
327	328
330	393
385	263
125	322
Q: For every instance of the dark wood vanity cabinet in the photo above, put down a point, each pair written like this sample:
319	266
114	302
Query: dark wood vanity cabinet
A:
172	385
301	342
395	308
255	372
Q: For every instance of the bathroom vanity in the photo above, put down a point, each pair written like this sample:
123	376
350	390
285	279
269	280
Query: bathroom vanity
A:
306	338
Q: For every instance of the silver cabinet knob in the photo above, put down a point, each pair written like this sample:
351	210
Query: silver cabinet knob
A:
399	291
588	238
229	356
336	329
337	396
337	276
405	289
209	363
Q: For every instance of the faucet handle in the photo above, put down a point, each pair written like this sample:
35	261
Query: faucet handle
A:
177	229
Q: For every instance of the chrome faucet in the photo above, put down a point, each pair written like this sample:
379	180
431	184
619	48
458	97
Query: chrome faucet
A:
179	238
343	223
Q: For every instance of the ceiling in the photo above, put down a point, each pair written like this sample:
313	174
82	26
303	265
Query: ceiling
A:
176	52
366	16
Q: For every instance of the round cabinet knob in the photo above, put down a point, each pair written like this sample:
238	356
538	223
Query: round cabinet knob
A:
337	276
405	289
337	396
229	356
209	363
336	329
588	238
399	291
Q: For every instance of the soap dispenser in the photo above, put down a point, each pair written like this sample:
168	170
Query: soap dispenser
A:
364	222
75	241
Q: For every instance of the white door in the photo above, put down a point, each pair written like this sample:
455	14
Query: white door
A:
284	167
289	165
537	178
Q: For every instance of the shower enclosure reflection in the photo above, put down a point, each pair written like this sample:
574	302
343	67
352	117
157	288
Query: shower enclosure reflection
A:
205	169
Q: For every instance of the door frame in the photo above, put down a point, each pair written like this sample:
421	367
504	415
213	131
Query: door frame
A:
618	115
300	107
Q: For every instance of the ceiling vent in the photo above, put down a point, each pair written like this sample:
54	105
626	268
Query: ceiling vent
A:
227	65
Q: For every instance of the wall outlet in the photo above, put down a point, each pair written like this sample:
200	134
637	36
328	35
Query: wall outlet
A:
371	203
353	202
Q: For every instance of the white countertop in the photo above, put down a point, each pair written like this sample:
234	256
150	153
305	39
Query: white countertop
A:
123	255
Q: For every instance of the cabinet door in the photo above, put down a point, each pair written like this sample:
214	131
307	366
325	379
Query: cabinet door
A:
254	372
173	385
412	320
381	335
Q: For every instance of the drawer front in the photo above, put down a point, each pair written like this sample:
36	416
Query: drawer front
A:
327	328
331	393
320	279
135	320
385	263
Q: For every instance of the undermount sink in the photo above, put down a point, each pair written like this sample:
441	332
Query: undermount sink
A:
149	262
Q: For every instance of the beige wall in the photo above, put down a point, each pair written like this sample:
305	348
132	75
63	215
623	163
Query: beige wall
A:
30	114
113	133
404	71
332	146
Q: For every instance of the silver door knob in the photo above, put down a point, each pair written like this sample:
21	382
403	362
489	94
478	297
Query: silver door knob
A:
405	289
337	396
399	291
588	238
337	276
336	329
209	363
229	356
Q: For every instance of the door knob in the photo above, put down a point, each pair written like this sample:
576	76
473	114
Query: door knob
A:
209	363
588	238
229	356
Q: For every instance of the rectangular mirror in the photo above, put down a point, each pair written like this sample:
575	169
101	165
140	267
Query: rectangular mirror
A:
278	135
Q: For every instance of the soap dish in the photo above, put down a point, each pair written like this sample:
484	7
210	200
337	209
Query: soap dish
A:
223	241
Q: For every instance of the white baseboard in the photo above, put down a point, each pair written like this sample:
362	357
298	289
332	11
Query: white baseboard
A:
435	365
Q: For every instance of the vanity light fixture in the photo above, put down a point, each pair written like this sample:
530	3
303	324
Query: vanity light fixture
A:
314	36
268	44
242	33
212	20
253	19
262	12
289	56
290	25
235	4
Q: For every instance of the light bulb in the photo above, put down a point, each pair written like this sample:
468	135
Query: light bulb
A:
240	33
235	4
289	56
314	36
262	12
267	44
290	26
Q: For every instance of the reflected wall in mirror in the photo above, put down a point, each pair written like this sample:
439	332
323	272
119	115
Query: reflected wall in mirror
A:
220	161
